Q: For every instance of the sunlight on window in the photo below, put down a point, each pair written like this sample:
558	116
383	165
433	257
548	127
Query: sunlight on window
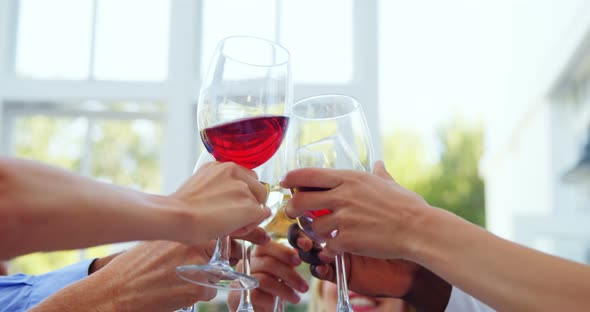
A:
132	40
251	18
320	37
53	39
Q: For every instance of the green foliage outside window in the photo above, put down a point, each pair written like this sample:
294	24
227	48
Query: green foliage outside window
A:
453	182
124	152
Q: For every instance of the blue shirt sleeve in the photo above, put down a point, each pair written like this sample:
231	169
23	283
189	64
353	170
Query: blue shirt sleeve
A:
21	292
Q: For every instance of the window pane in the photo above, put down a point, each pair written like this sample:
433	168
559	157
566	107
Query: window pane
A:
319	36
53	39
224	18
127	153
132	40
53	140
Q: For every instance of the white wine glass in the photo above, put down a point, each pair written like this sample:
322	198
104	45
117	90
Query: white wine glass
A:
242	117
328	131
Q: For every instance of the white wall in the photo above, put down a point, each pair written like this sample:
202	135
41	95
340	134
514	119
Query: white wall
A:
518	183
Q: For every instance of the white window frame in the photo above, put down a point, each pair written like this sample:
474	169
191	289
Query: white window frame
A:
180	90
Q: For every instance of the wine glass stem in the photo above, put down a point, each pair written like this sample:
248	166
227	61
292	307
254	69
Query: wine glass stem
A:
279	305
343	301
245	300
221	253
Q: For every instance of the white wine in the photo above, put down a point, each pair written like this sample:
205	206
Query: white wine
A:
278	224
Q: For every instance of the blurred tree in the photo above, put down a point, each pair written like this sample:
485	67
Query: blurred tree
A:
456	185
453	183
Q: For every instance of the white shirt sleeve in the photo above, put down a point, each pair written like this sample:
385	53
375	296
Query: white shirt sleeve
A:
462	302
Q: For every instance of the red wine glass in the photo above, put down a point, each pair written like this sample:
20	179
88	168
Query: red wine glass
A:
328	131
242	117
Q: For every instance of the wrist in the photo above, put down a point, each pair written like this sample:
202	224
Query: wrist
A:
416	236
176	222
426	239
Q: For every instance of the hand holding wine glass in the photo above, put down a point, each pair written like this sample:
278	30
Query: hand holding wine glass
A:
228	197
368	209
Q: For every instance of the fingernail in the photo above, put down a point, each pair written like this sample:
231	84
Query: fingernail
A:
323	257
317	271
295	260
267	239
296	299
322	270
303	287
301	242
288	209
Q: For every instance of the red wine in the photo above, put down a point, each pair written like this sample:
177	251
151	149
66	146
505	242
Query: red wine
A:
315	213
248	142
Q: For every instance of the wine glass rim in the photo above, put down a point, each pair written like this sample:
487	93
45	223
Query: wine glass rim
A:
356	106
272	43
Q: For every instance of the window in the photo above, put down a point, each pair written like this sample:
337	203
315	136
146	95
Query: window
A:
93	39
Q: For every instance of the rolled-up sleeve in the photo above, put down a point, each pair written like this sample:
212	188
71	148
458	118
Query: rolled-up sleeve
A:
21	292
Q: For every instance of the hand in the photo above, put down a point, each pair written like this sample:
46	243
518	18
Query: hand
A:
144	279
366	276
368	210
377	277
274	266
227	199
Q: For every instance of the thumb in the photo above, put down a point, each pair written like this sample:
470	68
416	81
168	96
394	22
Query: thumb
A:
258	216
380	171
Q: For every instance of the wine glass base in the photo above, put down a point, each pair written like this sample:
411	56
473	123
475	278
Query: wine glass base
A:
218	276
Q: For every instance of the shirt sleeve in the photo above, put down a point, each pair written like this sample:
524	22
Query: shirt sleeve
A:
21	292
462	302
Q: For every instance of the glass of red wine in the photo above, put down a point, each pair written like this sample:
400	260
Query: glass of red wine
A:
242	117
328	131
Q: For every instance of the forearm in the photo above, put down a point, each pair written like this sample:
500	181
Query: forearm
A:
45	208
88	294
504	275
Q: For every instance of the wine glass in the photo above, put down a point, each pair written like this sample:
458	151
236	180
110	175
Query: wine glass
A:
242	117
328	131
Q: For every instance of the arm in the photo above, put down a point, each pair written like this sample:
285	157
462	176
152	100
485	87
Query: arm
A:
513	277
140	279
377	217
45	208
19	292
